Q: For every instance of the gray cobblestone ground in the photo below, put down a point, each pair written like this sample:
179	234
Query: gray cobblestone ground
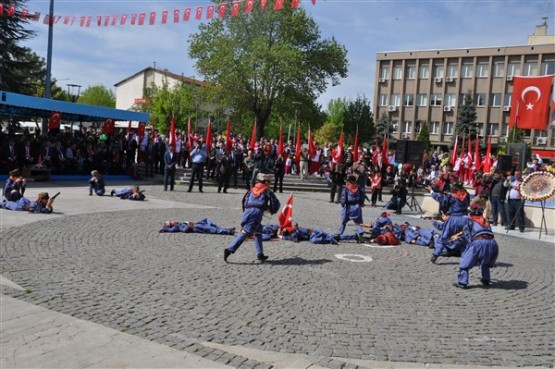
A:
115	269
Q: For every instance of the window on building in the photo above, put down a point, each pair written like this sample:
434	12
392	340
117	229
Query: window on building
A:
433	128
495	99
422	99
452	71
383	100
435	100
493	129
480	128
397	72
548	67
499	69
417	126
538	133
438	71
395	100
531	68
409	100
482	70
504	129
411	71
467	71
384	73
527	132
513	69
424	71
508	98
480	99
406	126
450	100
447	128
395	125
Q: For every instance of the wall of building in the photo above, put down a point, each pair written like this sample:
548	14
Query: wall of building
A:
127	92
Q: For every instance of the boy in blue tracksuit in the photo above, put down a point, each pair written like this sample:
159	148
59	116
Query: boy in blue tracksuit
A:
97	184
456	204
205	226
351	201
128	193
256	201
481	247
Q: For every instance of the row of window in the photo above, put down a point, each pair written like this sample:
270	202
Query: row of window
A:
447	128
480	99
466	70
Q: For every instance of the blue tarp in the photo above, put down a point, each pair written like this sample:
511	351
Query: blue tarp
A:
29	106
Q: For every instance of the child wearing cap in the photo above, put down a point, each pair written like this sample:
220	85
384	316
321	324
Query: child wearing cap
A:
256	201
351	201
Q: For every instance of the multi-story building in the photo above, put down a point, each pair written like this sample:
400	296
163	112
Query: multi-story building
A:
427	87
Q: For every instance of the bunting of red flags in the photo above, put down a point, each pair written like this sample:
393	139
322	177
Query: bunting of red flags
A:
201	12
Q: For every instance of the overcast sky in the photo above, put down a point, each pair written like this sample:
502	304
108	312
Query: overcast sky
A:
107	55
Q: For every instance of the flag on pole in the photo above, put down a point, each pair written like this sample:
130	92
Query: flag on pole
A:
108	127
462	147
253	136
311	147
530	102
487	160
339	150
172	131
285	217
55	120
228	136
189	135
477	159
298	146
209	136
280	141
355	147
454	153
385	146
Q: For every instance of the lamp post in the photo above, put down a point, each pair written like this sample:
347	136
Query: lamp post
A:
73	91
48	80
296	103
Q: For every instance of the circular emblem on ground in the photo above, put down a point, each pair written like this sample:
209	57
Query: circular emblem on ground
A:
354	258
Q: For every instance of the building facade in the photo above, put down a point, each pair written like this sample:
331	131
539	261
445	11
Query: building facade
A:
427	87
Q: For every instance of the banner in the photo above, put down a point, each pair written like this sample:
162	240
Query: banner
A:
530	102
55	120
221	10
108	127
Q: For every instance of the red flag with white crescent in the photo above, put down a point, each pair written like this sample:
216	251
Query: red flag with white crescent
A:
339	150
152	18
263	4
55	120
164	17
278	5
477	159
454	153
209	12
311	147
295	4
248	6
123	19
198	15
487	159
280	141
187	15
298	145
285	217
530	102
176	16
221	9
235	8
253	136
189	135
108	127
228	136
172	131
142	17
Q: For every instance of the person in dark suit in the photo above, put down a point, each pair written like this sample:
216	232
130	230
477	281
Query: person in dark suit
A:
149	159
170	161
159	151
27	154
11	155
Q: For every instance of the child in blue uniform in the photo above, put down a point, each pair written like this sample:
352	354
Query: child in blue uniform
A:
128	193
96	184
256	201
14	188
205	226
456	204
43	204
481	247
351	201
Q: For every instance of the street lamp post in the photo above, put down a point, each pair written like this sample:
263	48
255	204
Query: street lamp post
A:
74	91
48	80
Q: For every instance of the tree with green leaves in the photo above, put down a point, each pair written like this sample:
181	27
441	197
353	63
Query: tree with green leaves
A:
98	95
424	135
466	119
267	59
384	127
358	115
20	68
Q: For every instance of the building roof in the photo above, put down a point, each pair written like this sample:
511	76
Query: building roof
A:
482	48
29	106
166	73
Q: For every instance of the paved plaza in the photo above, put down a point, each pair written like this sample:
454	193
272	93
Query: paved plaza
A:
102	261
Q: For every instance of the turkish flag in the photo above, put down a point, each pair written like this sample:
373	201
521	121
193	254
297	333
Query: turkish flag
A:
298	146
133	19
295	4
176	16
25	14
108	127
98	20
339	150
280	141
221	10
248	6
235	8
311	147
313	2
141	130
487	159
278	5
82	22
228	136
11	10
89	20
454	153
189	135
66	19
172	131
114	20
385	147
209	12
164	17
187	14
285	217
477	159
530	102
1	9
198	15
263	4
152	18
253	137
209	136
123	19
142	17
107	21
355	147
55	120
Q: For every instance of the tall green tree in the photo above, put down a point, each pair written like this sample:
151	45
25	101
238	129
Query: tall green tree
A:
358	115
20	68
267	59
98	95
424	135
384	127
466	119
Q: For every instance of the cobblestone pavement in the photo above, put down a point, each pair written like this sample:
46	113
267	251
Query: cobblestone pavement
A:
114	268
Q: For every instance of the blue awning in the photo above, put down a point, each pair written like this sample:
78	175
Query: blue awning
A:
12	104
